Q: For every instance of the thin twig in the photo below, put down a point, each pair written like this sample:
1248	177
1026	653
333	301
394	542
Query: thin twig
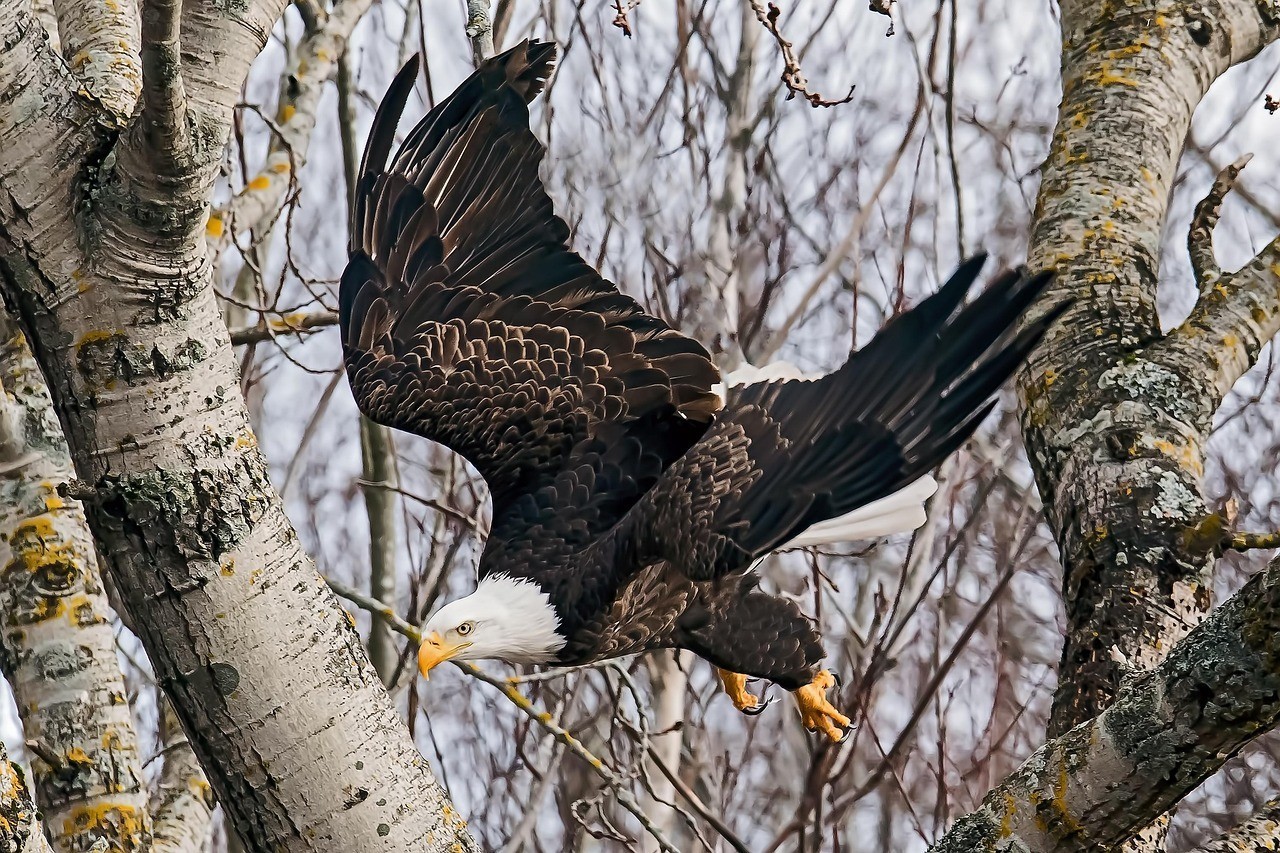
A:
289	324
1254	541
696	802
792	76
561	734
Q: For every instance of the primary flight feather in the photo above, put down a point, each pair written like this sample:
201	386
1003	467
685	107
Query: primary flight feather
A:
629	503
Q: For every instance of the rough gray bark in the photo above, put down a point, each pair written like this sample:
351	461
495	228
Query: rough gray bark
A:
102	252
1095	786
1114	414
56	638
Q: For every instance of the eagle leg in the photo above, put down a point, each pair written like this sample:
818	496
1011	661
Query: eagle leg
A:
735	686
817	713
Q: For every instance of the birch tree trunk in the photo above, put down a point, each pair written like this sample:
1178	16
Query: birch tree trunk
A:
59	651
102	223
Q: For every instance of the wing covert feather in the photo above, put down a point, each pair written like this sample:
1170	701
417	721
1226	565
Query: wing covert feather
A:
465	316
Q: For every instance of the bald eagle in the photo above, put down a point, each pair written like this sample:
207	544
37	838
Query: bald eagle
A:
630	504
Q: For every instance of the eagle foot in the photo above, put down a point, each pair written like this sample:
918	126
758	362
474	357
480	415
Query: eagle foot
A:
735	686
817	713
759	708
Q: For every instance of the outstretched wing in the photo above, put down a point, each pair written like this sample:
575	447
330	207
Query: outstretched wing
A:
465	317
786	455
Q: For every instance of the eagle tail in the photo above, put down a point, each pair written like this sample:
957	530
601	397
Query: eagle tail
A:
895	410
901	512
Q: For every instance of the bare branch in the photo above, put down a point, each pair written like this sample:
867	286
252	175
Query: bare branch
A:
1254	541
1200	237
289	324
314	63
479	30
1099	783
792	75
1231	323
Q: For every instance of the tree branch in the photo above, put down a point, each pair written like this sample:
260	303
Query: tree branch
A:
1237	315
479	30
221	41
792	75
289	324
1114	420
1254	541
1168	730
1200	238
164	97
314	63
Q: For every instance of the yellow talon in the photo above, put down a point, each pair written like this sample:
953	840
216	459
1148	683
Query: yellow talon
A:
735	686
817	713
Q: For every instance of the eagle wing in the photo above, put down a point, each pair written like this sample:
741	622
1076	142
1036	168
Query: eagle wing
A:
786	455
465	316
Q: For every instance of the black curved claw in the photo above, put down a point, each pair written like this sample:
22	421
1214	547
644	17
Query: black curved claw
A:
758	709
847	733
839	682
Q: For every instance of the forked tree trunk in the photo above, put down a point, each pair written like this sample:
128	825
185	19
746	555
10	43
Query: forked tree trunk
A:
102	252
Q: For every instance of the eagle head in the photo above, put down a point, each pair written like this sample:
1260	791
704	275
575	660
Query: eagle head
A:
506	618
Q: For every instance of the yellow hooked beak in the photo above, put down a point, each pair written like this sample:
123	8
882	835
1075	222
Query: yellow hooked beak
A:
435	651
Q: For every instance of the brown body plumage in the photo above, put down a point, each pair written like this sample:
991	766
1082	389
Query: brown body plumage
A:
620	486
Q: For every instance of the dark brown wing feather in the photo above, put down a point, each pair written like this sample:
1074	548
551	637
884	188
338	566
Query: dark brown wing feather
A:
465	317
786	455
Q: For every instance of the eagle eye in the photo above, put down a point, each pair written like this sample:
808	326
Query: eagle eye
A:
465	628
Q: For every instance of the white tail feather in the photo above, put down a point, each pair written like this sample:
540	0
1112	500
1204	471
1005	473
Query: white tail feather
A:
749	374
900	512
